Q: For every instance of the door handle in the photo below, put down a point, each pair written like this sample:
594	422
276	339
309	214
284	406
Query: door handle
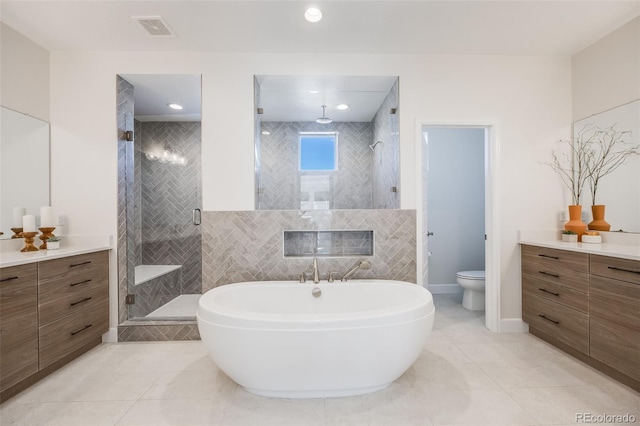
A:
196	216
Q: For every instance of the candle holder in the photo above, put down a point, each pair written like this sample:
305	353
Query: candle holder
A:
17	233
28	242
47	233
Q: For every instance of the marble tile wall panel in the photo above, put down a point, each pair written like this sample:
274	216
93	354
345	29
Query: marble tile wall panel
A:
279	177
386	161
248	245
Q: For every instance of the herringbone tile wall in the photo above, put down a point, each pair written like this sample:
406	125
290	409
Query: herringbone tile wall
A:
248	245
169	193
154	293
279	178
158	332
386	161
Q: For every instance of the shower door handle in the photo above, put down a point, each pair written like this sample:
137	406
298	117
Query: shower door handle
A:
196	216
429	233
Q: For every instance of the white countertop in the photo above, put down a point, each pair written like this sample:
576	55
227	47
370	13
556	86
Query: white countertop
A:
10	254
613	244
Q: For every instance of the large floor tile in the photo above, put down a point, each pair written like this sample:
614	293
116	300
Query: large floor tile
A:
185	384
63	413
191	412
517	376
562	405
246	409
476	407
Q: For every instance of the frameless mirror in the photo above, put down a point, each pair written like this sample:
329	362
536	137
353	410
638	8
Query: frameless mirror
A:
619	191
24	166
326	142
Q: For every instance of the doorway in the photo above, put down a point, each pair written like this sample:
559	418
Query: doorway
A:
465	195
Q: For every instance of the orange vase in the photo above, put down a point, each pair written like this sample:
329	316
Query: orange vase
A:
575	223
598	223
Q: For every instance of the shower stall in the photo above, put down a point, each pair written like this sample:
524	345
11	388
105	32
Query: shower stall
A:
159	238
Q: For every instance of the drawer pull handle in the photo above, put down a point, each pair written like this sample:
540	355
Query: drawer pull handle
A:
73	333
550	292
86	299
623	270
548	319
79	264
549	257
81	282
8	279
549	273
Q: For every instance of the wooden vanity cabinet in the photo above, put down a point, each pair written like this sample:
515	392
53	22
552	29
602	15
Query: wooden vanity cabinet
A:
18	324
615	313
587	305
50	313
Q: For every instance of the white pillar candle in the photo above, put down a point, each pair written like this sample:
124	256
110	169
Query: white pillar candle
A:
29	223
47	218
18	212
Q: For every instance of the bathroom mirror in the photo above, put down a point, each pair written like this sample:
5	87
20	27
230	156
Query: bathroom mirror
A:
349	121
24	166
620	190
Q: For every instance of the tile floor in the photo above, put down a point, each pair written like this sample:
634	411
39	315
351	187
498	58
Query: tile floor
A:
466	375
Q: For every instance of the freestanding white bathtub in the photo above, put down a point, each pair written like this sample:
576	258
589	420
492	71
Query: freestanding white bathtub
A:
276	339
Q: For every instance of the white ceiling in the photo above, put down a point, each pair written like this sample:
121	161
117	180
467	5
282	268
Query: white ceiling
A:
509	27
503	27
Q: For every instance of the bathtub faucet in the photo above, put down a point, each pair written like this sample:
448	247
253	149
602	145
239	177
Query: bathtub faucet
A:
363	264
316	273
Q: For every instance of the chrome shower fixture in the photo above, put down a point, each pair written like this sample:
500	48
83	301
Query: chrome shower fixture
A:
373	145
324	119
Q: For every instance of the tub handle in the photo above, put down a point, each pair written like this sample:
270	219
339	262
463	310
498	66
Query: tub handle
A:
196	216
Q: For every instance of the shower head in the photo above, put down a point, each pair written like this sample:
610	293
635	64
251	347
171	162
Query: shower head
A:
373	145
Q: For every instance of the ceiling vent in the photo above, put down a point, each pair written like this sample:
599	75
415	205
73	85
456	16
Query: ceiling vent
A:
154	25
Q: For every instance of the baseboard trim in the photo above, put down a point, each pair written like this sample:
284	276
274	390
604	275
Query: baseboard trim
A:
110	336
513	325
444	288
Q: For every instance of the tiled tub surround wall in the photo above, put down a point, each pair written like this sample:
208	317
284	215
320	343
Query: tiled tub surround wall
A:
385	162
169	193
279	178
248	245
328	243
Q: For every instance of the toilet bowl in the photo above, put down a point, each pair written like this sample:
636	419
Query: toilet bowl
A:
473	284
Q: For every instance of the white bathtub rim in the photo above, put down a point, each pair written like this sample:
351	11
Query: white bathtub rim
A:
232	316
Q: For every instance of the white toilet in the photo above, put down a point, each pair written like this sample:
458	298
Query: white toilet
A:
473	284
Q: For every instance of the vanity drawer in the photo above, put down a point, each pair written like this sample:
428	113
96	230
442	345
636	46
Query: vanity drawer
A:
73	267
18	291
569	269
61	337
619	269
66	300
555	293
558	259
560	322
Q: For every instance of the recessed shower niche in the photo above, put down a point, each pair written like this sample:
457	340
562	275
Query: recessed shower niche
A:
159	175
355	117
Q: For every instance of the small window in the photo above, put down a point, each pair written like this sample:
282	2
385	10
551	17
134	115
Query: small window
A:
318	151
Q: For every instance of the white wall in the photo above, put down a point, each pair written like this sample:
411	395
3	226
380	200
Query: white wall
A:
607	73
24	69
530	98
455	202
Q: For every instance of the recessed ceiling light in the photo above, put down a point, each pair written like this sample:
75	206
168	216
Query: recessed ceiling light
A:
342	106
314	92
313	14
174	106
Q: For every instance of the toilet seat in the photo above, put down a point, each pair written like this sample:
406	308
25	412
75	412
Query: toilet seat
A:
471	275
